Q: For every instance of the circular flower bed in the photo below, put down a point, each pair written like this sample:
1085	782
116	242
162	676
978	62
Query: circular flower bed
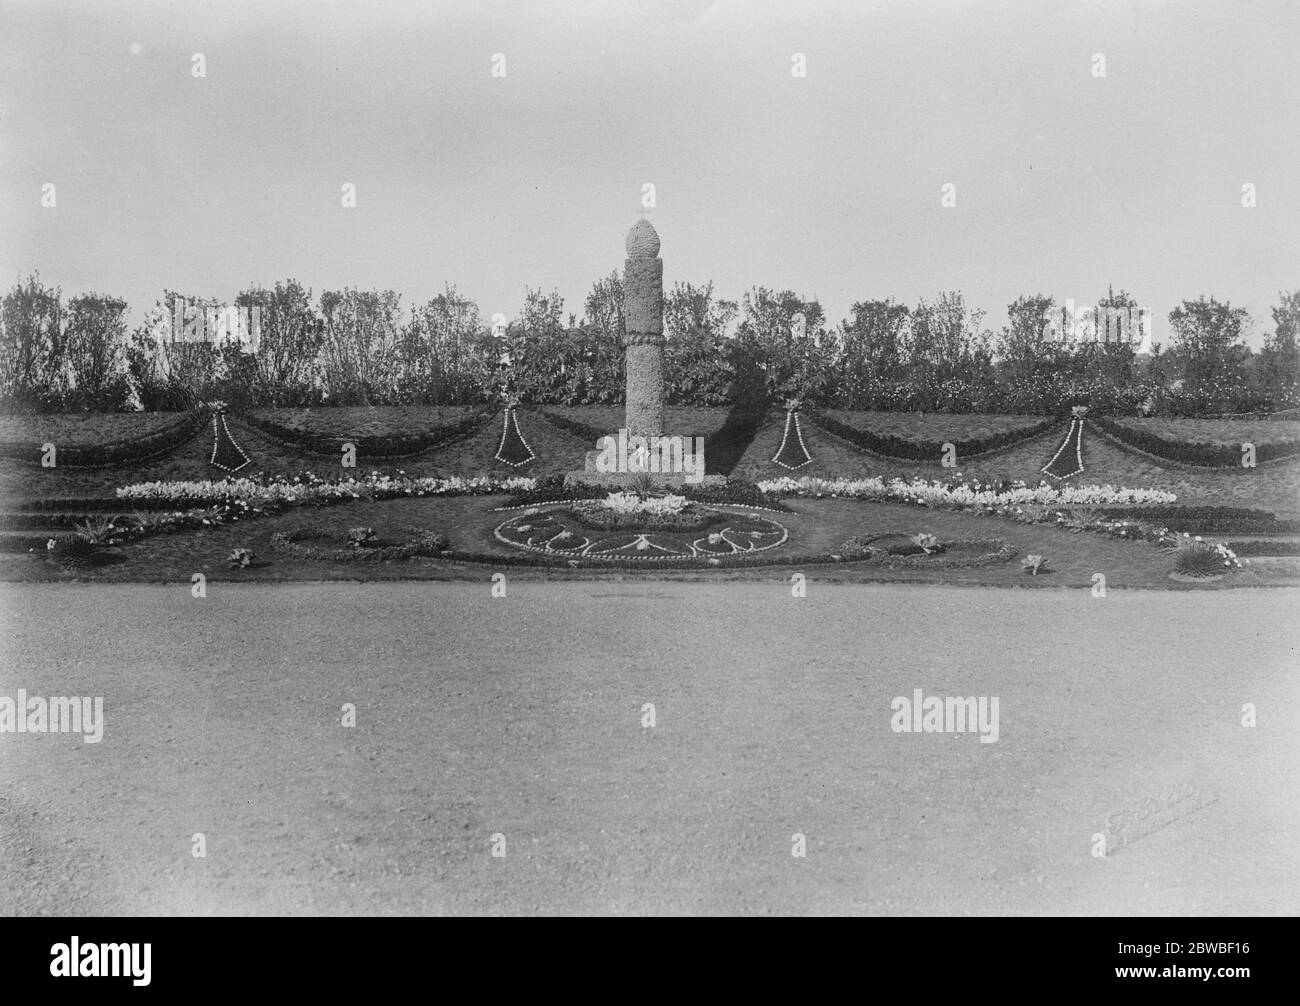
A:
897	549
710	534
312	543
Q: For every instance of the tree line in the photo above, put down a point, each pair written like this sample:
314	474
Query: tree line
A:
361	347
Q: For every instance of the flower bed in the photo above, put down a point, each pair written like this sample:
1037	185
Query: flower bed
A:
962	553
961	494
735	492
313	489
299	544
629	512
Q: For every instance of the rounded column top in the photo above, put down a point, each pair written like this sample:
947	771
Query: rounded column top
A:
642	240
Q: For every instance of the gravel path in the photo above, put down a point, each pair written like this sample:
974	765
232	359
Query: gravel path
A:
522	717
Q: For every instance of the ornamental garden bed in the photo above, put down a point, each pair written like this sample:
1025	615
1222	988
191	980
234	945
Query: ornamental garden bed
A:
818	531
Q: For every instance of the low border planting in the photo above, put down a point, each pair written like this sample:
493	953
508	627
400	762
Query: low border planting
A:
423	542
999	551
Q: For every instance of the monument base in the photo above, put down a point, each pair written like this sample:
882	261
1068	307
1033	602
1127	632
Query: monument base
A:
591	475
622	481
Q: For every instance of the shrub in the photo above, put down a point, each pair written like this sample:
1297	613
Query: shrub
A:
1034	563
361	536
71	550
99	530
1201	559
927	543
643	485
240	558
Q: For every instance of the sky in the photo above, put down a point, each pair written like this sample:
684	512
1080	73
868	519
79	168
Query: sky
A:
829	184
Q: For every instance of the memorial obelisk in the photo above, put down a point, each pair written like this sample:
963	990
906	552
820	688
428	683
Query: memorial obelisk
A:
643	313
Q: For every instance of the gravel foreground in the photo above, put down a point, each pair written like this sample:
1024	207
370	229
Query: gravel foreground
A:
516	723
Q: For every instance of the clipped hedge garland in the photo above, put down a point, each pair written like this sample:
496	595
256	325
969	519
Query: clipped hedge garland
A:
1195	453
119	452
396	445
928	450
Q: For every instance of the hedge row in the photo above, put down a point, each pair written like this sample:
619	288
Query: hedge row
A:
393	445
120	452
928	450
1206	518
1265	547
1200	454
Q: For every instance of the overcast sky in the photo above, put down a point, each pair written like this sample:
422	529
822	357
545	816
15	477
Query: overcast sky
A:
828	184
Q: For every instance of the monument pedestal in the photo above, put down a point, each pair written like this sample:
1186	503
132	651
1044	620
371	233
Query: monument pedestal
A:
591	475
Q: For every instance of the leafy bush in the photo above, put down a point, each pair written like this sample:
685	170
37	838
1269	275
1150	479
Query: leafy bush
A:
927	543
1201	559
72	550
1034	564
359	537
99	530
240	558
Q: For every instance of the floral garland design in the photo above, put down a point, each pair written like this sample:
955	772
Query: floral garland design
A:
224	446
1075	436
792	461
517	444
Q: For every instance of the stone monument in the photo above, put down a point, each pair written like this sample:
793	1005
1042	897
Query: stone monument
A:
643	313
642	448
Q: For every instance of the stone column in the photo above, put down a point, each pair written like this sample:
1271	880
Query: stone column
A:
643	311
